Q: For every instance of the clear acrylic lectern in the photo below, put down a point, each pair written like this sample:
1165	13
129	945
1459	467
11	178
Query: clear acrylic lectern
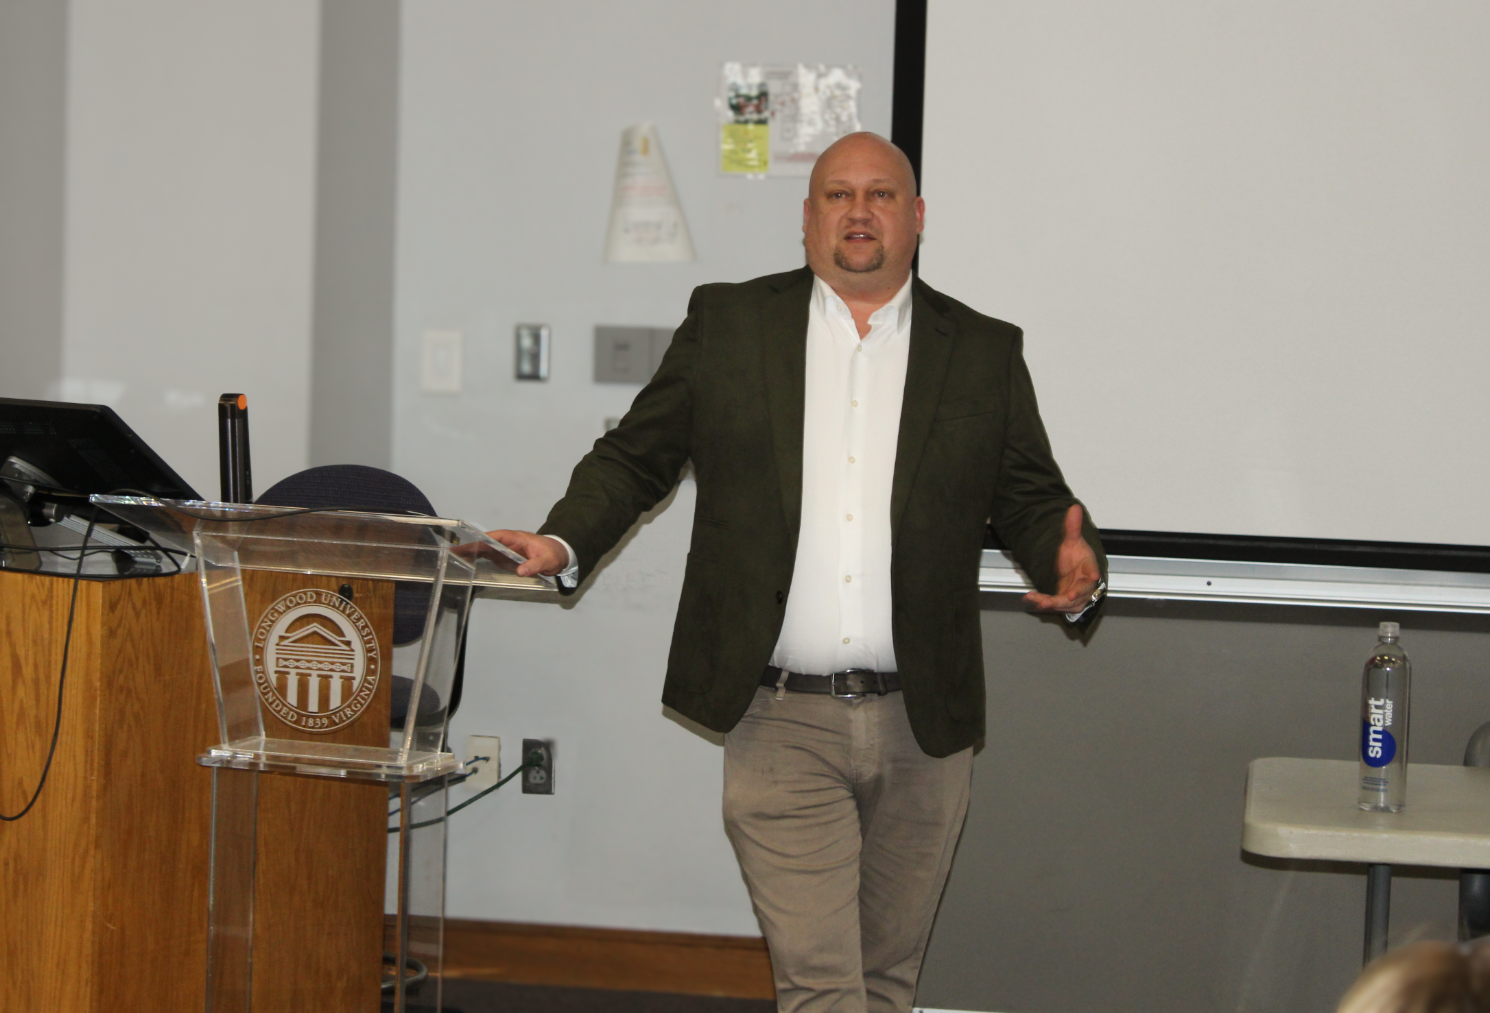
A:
313	660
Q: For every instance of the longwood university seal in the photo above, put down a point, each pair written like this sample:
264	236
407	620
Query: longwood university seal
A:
315	660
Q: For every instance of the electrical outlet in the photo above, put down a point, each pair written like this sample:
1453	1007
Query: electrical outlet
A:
539	780
490	769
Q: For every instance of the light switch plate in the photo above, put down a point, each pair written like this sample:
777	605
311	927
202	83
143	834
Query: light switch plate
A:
629	354
440	362
532	351
491	769
623	354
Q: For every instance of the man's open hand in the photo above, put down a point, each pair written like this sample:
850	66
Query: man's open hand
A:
544	555
1076	568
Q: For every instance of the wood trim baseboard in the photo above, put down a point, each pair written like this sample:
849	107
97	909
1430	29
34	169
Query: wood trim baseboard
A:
623	959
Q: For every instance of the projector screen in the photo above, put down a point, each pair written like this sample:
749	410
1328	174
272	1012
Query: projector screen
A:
1249	245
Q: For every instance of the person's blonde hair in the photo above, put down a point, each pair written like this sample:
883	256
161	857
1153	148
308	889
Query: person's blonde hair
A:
1424	978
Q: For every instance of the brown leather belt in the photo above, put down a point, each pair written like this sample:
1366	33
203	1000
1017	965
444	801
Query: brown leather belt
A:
848	683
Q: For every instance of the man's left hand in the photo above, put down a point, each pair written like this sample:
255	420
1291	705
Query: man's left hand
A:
1076	567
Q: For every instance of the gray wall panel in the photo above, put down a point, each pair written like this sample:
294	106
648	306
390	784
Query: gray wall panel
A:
351	419
1101	866
33	135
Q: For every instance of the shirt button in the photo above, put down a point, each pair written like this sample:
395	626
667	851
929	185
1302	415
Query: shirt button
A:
848	517
848	579
854	404
845	640
850	460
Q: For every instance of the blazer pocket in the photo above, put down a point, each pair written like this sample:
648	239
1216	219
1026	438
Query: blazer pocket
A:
962	409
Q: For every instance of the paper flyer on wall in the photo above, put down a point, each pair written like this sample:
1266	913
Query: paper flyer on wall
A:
775	119
646	220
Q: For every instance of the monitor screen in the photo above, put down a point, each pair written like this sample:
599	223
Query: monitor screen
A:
81	448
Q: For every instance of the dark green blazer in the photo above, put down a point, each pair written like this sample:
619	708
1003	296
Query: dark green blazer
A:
729	396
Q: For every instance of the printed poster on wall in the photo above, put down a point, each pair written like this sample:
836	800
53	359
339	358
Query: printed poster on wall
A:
775	119
646	220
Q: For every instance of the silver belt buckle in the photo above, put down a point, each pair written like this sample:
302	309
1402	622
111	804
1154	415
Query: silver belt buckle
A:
834	682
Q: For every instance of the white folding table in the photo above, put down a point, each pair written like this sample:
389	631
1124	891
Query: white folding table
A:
1306	809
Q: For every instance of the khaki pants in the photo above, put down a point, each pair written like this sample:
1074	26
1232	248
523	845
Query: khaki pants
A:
844	830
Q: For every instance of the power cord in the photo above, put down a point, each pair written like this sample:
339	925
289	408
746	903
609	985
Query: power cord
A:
77	578
534	759
286	512
95	550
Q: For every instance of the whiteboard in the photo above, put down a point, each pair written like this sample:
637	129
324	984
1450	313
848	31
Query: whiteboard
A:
1249	245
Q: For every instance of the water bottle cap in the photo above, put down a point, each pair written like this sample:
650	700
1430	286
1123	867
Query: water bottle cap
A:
1393	630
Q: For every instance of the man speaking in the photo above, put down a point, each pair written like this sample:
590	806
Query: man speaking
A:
852	431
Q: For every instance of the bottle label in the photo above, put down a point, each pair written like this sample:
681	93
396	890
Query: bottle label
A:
1378	745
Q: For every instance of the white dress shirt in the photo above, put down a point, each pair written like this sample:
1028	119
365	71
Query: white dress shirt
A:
838	613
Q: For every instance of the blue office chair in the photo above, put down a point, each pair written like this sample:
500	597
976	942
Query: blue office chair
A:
359	487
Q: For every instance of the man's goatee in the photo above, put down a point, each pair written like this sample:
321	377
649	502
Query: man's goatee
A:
874	264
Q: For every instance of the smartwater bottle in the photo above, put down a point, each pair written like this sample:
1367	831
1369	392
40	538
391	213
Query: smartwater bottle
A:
1385	689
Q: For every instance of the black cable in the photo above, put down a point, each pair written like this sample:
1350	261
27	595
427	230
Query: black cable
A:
150	537
430	788
170	554
473	798
290	512
95	550
451	782
60	551
72	607
286	512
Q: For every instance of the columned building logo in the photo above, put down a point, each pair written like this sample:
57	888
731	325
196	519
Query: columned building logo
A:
316	662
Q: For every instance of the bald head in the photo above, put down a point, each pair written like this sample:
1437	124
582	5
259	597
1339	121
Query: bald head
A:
862	217
862	144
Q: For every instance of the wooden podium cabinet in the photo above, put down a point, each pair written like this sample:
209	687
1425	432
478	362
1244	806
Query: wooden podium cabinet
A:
104	883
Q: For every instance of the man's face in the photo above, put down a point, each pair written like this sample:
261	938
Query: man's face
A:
862	216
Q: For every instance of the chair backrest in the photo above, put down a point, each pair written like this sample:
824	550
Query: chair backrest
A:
360	487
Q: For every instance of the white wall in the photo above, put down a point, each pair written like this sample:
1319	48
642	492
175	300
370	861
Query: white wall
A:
509	128
190	181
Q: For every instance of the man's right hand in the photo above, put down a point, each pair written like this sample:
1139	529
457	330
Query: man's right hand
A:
544	555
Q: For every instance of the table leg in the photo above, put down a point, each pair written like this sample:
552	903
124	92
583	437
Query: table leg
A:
1378	910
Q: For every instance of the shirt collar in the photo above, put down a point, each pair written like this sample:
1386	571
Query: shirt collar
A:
900	305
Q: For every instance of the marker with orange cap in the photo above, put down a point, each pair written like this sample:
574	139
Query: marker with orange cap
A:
232	449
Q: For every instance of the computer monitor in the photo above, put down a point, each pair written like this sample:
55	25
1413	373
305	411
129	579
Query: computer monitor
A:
81	449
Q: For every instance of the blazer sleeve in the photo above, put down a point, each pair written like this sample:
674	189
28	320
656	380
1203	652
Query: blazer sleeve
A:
636	464
1031	497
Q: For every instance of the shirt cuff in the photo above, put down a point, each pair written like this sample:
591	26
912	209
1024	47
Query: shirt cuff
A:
1097	598
569	576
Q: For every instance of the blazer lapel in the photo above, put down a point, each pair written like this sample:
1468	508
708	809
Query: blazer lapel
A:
932	333
783	328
